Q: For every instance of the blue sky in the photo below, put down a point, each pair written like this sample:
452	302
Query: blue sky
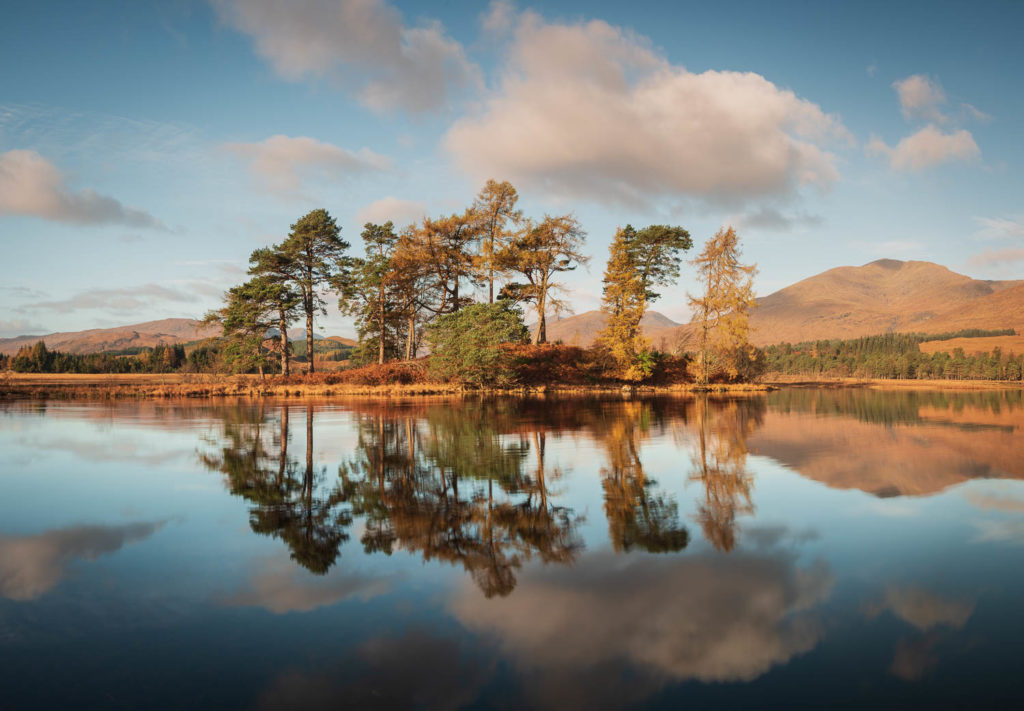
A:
147	148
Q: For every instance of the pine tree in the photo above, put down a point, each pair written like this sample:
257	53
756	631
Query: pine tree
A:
638	261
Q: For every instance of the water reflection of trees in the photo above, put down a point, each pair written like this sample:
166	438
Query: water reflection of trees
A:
719	465
451	487
638	515
288	500
472	485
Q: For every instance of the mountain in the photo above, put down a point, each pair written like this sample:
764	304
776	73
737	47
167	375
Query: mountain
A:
582	329
164	332
887	295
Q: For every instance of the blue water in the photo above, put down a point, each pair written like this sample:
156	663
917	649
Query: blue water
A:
802	548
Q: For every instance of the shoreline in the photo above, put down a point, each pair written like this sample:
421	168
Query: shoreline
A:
21	386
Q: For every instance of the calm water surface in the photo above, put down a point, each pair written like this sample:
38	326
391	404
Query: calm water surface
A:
799	549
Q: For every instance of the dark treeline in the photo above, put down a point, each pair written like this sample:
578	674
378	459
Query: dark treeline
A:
161	359
895	355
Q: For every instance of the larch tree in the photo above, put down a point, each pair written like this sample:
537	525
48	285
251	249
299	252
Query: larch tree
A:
721	312
495	208
416	293
638	262
444	248
539	252
315	255
623	304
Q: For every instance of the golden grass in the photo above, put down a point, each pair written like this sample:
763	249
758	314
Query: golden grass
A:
1008	344
35	385
779	380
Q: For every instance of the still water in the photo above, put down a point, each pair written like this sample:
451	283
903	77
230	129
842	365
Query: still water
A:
797	549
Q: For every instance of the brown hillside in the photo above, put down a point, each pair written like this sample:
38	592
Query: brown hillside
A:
164	332
582	329
884	296
881	297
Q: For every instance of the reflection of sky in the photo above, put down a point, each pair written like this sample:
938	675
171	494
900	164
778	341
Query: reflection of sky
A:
111	528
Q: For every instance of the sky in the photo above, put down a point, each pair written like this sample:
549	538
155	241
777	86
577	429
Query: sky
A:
146	148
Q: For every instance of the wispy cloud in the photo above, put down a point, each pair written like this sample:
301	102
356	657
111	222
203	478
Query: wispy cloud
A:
283	163
1000	228
925	149
125	300
364	44
400	212
20	327
995	257
30	185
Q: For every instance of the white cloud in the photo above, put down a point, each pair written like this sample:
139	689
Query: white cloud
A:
589	109
756	612
923	609
125	300
995	257
20	327
999	228
921	98
283	163
400	212
770	218
31	565
976	113
499	18
31	185
398	67
927	148
284	588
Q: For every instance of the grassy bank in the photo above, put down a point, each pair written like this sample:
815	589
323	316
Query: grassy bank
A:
31	385
778	381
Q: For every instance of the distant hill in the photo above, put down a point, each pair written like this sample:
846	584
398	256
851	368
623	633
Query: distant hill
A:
885	296
164	332
582	329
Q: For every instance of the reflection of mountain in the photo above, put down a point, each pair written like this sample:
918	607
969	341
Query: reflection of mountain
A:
31	565
921	445
576	633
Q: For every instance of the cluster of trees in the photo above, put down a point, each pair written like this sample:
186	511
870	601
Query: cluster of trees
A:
406	279
39	359
410	282
473	487
895	355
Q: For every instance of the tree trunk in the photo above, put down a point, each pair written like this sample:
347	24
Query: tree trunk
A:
380	327
309	331
542	326
490	268
282	324
410	339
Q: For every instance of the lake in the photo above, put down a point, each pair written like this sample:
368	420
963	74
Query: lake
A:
800	548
